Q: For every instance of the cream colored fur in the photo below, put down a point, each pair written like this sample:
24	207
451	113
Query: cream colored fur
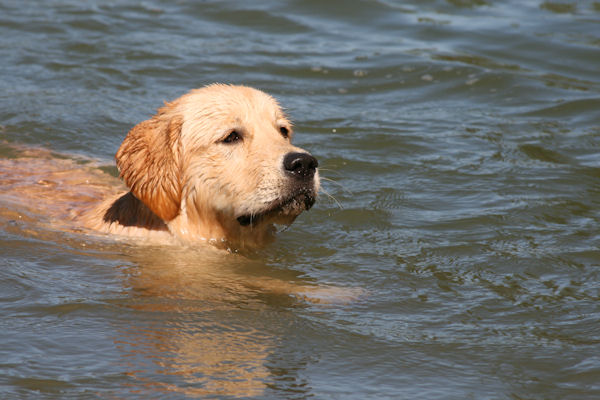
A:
186	182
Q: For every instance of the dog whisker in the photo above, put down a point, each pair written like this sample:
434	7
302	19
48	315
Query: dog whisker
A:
328	170
337	183
332	198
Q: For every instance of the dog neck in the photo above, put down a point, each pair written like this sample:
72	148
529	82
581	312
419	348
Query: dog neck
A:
213	227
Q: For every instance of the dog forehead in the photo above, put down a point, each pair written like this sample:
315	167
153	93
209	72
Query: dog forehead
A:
215	108
233	101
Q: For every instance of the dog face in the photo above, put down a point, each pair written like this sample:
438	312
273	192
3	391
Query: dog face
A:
218	163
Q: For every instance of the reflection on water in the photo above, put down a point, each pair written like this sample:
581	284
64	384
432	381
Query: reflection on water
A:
194	305
207	361
211	358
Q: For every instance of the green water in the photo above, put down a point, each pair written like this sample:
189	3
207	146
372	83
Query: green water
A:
460	140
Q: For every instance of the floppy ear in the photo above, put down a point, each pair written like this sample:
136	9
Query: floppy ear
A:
149	163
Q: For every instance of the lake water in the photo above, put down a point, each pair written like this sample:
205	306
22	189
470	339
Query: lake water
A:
460	140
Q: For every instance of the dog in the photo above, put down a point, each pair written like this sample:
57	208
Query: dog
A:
215	165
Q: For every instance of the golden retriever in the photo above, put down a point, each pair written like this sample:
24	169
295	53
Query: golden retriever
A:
215	165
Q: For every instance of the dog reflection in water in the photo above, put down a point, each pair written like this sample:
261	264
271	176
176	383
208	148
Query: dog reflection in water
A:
199	341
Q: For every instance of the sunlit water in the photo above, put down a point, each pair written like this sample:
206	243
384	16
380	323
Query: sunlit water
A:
461	142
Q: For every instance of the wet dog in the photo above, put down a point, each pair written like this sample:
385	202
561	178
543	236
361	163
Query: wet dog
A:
215	164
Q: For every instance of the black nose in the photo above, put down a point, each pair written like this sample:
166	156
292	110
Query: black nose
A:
300	165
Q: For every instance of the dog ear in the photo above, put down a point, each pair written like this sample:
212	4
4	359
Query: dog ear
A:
149	163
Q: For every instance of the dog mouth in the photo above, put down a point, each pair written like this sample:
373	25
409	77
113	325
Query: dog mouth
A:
283	210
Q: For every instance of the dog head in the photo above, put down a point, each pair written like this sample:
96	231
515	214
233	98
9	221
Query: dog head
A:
218	163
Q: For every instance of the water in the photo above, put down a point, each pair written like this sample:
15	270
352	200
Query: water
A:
462	140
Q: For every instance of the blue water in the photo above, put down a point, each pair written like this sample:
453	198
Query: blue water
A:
460	140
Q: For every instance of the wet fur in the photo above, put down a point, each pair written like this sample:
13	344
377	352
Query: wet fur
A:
184	183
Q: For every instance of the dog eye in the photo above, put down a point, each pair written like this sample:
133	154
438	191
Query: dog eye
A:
233	137
285	132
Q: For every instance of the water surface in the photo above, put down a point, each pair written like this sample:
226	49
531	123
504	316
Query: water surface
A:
461	142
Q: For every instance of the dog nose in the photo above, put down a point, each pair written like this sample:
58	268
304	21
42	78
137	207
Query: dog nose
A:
300	165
